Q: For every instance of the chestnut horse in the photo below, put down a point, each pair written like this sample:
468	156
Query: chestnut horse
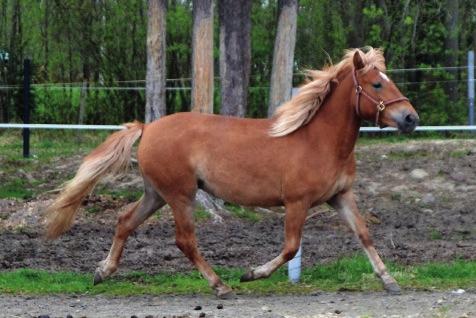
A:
301	157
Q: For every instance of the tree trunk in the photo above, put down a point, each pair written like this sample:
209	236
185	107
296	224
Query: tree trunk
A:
283	56
202	85
15	61
235	55
451	45
3	75
45	38
82	101
202	59
156	71
387	20
354	15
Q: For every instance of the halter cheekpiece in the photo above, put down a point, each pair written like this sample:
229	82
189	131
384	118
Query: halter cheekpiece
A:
380	104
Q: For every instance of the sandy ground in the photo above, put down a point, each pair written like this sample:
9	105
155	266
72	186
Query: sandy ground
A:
410	304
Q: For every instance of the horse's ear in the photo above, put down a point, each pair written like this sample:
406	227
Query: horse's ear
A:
358	62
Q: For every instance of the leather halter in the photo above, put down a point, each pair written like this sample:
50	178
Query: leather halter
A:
380	104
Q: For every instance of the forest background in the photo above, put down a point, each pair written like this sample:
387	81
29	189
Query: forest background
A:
94	52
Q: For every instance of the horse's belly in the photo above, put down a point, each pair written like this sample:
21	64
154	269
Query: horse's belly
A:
243	188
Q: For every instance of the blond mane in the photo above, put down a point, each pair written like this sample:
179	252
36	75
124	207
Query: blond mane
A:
298	111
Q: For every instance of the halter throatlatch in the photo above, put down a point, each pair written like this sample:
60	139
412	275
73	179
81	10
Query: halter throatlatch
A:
380	104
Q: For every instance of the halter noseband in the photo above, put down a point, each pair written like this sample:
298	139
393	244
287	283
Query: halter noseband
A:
380	104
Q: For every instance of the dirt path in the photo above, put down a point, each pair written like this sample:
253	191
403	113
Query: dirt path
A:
410	304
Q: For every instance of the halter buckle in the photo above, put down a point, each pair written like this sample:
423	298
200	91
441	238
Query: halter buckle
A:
381	106
358	89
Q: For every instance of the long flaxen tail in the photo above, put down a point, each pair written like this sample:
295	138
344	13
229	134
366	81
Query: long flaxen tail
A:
111	157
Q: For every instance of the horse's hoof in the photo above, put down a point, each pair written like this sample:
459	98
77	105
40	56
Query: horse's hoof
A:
225	292
393	289
247	277
97	278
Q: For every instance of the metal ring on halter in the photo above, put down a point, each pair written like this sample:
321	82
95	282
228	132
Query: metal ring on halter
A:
381	106
358	89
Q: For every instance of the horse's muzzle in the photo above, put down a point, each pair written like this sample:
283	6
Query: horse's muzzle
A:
407	121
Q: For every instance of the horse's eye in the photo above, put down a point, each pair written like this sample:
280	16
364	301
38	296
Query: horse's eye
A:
377	85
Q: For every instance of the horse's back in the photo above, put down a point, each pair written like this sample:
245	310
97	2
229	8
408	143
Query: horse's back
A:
195	129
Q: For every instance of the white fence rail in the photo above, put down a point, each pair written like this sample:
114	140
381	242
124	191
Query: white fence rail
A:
62	126
119	127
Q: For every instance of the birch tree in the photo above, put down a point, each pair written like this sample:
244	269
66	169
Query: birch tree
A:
202	58
451	46
155	77
283	56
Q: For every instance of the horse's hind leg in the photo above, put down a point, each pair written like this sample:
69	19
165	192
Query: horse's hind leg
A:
127	223
187	242
294	221
345	204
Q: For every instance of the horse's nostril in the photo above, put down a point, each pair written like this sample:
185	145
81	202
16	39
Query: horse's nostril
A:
407	122
410	119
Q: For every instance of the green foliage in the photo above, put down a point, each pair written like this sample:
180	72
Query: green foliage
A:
104	43
353	273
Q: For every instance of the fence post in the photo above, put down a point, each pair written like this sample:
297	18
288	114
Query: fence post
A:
26	106
471	87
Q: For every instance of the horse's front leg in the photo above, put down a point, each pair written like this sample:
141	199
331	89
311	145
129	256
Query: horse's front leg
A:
294	221
345	204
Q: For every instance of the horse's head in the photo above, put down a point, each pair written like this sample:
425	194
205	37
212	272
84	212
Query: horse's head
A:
378	99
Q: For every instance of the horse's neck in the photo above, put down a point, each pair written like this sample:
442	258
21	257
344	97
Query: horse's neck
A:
336	122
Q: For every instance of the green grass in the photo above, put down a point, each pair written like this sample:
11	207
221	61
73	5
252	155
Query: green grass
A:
435	234
16	188
93	210
127	194
460	153
201	215
48	144
354	274
47	148
243	213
